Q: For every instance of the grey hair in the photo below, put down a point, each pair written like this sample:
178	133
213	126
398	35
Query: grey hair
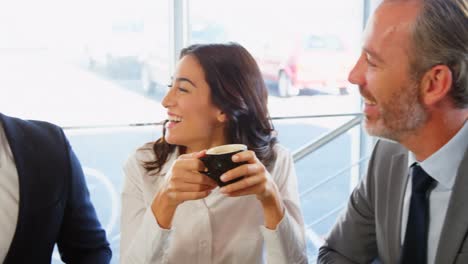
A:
440	36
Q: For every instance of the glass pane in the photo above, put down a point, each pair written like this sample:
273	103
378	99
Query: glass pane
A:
102	63
79	63
304	48
326	176
102	153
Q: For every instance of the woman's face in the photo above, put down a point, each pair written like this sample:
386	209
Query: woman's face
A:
194	122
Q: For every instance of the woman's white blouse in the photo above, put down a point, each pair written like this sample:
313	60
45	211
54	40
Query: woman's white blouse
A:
217	229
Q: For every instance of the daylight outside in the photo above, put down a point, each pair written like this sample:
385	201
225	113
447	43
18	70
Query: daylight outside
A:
100	69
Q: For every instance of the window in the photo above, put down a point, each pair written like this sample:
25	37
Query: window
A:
99	69
305	50
80	64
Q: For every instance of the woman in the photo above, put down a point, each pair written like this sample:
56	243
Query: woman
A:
172	213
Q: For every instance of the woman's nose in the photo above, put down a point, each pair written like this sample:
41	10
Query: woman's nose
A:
167	100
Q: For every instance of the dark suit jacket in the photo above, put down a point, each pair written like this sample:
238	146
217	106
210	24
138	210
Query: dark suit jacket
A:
54	203
370	227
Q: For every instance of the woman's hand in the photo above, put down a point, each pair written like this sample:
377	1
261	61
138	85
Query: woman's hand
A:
186	183
257	180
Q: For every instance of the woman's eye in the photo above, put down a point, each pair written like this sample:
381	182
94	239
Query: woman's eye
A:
178	88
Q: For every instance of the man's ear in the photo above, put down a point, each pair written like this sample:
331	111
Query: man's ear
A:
436	84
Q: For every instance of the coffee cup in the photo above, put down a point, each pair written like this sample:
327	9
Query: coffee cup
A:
218	160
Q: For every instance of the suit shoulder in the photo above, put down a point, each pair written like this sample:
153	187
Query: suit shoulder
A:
385	147
38	129
42	125
382	159
38	136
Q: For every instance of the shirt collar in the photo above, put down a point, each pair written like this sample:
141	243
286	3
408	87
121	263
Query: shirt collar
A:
444	163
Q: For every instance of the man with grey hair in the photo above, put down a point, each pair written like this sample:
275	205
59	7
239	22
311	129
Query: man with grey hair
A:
413	76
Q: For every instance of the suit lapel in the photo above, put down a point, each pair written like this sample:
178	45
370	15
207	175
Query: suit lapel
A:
396	188
456	221
21	153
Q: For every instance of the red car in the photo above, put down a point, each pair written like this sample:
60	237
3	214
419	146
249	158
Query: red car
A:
318	62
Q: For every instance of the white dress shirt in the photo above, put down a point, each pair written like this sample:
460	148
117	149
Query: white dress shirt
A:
217	229
443	167
9	195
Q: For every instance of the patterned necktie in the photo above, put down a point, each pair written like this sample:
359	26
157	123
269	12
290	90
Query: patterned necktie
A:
414	249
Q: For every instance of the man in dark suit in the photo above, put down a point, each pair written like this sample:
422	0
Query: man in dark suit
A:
413	75
44	198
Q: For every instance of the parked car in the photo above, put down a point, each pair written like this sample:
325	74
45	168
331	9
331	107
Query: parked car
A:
318	62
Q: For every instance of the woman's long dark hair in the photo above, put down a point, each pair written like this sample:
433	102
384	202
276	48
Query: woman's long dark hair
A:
238	89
